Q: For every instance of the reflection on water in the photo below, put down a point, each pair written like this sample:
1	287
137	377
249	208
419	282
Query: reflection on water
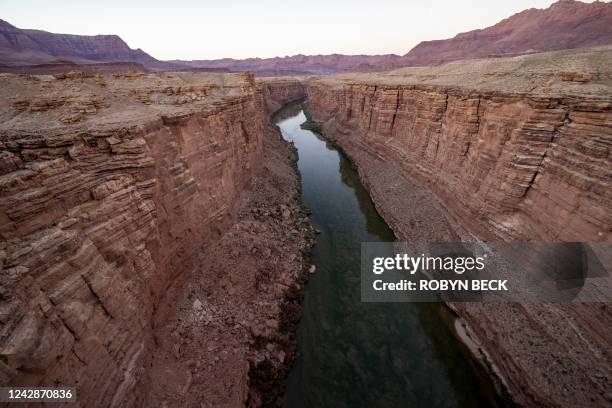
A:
354	354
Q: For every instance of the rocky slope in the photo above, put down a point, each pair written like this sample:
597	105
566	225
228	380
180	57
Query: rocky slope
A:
224	332
30	47
110	188
565	24
62	66
504	149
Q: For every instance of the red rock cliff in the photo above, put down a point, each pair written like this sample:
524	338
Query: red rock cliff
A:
507	149
514	160
110	186
279	91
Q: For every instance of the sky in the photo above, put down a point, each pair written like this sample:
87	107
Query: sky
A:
191	29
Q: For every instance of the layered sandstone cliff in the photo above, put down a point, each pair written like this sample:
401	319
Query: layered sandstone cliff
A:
527	140
110	187
279	91
506	149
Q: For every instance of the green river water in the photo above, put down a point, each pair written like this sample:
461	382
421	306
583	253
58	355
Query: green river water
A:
354	354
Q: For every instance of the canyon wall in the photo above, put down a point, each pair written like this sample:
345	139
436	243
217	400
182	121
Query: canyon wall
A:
512	165
110	186
279	91
511	149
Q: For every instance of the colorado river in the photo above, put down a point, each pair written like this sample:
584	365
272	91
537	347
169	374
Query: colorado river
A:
354	354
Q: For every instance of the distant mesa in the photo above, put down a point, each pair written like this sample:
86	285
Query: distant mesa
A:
564	25
26	48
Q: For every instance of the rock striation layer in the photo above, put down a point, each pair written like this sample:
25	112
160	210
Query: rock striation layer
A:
224	331
109	188
280	91
527	140
505	149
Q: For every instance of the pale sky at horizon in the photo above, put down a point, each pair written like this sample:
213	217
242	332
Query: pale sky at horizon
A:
190	29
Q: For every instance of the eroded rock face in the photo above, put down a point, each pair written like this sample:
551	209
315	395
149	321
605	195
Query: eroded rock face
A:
278	91
512	164
565	24
110	185
504	150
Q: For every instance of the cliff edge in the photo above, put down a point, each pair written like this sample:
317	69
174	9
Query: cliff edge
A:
500	150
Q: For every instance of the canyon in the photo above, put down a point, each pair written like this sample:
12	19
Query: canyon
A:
512	149
154	244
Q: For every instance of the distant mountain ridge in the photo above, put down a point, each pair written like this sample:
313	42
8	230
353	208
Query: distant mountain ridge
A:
306	64
32	47
565	24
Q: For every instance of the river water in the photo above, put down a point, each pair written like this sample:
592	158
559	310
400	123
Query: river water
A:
353	354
